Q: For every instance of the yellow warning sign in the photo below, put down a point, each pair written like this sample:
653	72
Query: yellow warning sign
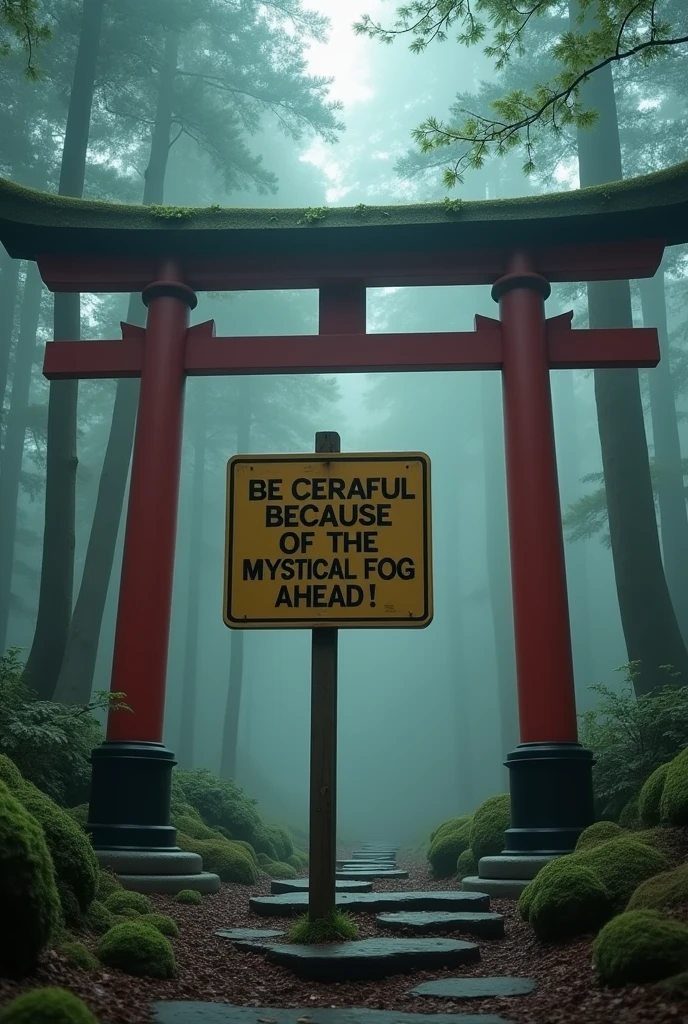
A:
328	540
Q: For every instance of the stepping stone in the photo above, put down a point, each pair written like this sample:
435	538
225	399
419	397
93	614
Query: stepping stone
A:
366	958
248	934
293	903
475	988
364	855
486	926
502	888
359	865
178	1012
371	873
278	886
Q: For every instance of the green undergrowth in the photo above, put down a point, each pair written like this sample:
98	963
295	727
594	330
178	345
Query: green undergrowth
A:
336	927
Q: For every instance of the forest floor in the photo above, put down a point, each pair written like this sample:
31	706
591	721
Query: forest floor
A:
212	969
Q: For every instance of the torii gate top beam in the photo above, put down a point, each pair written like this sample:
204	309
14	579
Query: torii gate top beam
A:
597	233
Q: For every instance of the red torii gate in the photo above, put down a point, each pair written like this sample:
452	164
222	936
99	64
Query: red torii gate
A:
551	784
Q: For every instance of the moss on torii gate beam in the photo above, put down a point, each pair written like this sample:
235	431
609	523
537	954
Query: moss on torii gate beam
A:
35	225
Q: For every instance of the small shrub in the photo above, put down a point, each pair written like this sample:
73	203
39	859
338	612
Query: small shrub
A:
488	826
661	892
189	897
30	902
98	919
333	928
446	848
565	899
466	864
47	1006
135	948
164	924
640	946
221	802
129	914
673	806
282	841
621	865
598	833
107	883
78	955
651	796
117	902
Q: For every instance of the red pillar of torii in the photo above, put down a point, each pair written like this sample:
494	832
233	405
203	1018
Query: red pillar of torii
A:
550	772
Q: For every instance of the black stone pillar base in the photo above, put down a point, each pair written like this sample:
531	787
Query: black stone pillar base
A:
130	797
551	797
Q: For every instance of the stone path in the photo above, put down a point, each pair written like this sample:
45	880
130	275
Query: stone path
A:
486	926
221	1013
290	904
475	988
279	885
370	874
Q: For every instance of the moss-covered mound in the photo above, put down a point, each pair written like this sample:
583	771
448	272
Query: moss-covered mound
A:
118	902
98	919
621	865
47	1006
676	987
298	862
630	813
222	802
78	955
651	796
598	833
222	857
275	869
663	891
640	946
450	825
28	891
488	825
164	924
189	897
466	864
282	841
446	848
565	899
136	948
673	805
107	883
76	867
247	849
79	814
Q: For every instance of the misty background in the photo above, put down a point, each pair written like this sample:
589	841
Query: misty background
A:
425	717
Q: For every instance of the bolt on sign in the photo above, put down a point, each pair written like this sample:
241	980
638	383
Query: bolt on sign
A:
333	540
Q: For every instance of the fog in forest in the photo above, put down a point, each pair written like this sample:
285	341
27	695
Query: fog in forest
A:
426	717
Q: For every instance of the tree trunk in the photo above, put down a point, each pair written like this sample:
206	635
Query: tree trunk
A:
57	568
185	750
648	619
673	515
568	445
230	736
9	285
498	574
10	469
76	678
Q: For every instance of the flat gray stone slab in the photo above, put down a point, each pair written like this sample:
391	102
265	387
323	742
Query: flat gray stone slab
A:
204	882
222	1013
368	855
366	958
512	866
372	902
486	926
248	934
280	885
475	988
369	874
503	888
146	862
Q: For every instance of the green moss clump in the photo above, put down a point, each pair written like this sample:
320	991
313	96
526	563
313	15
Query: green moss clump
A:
47	1006
164	924
135	948
192	825
107	883
117	902
334	928
570	900
629	817
129	914
262	859
221	802
640	946
189	897
76	867
79	814
226	833
30	901
225	859
278	870
282	841
651	796
445	850
673	806
621	865
661	892
78	955
488	826
598	833
98	919
172	212
466	864
247	848
676	987
450	825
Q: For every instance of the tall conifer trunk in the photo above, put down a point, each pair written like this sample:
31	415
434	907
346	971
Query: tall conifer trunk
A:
76	677
57	568
9	286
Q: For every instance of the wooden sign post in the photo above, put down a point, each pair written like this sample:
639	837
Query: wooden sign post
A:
334	541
